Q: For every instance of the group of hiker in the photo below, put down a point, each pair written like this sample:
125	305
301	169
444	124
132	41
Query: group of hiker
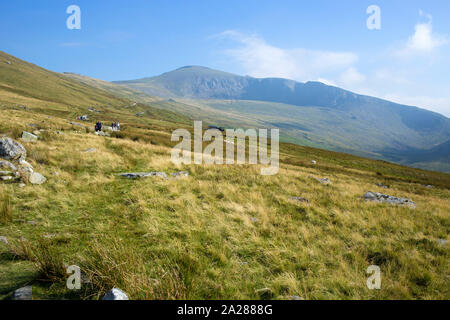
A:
115	126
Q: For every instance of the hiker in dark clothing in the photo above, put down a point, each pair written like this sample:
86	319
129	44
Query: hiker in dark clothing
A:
98	126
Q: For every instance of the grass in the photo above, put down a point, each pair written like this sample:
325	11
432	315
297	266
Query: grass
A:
224	232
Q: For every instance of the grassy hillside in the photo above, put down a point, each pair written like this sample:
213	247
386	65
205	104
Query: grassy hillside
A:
224	232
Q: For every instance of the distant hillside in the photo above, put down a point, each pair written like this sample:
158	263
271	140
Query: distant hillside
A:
310	113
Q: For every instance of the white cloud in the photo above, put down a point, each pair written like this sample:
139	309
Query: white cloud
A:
423	41
260	59
351	78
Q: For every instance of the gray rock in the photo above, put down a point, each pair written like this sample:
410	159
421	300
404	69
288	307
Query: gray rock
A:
77	124
381	185
180	174
296	298
313	162
25	293
22	185
322	180
3	239
90	150
137	175
299	199
37	178
442	242
254	220
11	150
384	198
5	173
8	62
139	114
8	165
115	294
29	137
6	178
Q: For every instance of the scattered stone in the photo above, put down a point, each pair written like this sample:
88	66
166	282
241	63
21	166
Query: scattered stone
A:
37	178
181	174
139	114
36	132
29	137
6	178
379	197
299	199
25	293
22	185
8	165
137	175
103	134
428	186
90	150
77	124
296	298
254	220
322	180
381	185
8	62
313	162
11	150
33	125
115	294
3	239
442	242
5	173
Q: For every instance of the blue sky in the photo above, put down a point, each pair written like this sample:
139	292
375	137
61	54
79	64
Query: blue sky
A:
407	60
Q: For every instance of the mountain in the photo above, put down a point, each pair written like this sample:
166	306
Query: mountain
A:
310	113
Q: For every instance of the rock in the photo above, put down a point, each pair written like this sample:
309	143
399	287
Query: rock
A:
254	220
6	178
180	174
442	242
11	150
139	114
3	239
77	124
379	197
90	150
36	132
8	165
37	178
313	162
137	175
115	294
5	173
296	298
103	134
22	185
381	185
8	62
299	199
322	180
24	293
29	137
428	186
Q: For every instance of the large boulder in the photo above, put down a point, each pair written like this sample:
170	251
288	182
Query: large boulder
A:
11	150
115	294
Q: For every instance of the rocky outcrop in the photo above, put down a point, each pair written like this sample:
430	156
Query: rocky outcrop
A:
11	150
384	198
14	151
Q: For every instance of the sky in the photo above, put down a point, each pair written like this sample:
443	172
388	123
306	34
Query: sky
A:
404	56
